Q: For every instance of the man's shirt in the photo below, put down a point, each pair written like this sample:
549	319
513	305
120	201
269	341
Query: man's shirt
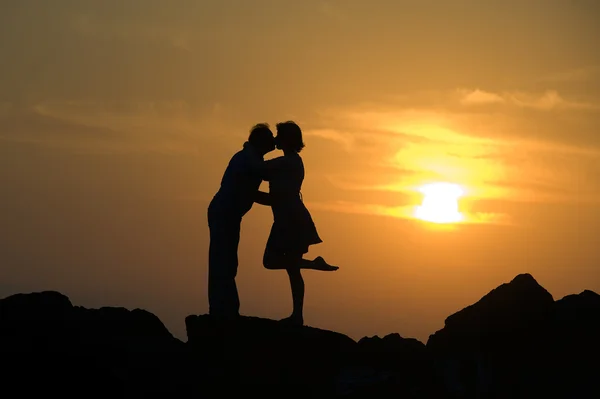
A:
240	182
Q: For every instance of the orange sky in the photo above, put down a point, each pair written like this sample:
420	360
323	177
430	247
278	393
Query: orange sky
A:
118	119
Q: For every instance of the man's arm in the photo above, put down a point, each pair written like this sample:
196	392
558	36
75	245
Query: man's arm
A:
267	169
262	198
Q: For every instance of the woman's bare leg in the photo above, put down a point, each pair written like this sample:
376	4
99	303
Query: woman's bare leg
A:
297	286
291	263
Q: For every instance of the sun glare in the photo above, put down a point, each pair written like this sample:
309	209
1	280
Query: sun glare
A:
440	203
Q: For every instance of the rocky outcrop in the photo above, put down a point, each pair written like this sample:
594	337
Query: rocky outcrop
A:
53	347
254	355
391	366
514	342
264	356
574	347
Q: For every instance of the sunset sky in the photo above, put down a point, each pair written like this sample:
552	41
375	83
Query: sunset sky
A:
118	118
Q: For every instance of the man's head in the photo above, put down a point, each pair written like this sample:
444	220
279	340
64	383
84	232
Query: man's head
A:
261	138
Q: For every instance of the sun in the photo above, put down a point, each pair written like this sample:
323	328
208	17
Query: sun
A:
440	203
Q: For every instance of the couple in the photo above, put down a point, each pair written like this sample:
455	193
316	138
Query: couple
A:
293	230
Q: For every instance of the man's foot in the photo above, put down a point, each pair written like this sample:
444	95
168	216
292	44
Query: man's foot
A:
320	264
293	320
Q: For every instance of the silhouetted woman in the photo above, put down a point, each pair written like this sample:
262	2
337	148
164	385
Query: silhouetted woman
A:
293	230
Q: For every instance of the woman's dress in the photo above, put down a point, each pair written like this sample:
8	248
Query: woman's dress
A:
293	229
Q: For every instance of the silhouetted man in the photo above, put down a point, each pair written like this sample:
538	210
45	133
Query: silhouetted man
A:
237	194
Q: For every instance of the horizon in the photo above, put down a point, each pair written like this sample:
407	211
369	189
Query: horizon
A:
117	122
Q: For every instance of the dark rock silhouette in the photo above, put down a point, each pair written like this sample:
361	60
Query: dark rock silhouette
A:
391	366
514	342
51	346
575	346
268	356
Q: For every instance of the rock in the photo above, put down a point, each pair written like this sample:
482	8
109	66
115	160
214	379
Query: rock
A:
514	342
579	314
391	366
261	355
507	311
518	342
575	341
496	344
267	357
56	348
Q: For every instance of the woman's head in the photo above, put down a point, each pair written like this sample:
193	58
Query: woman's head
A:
289	137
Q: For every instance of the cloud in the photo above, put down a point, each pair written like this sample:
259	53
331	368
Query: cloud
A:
573	75
545	101
513	156
381	152
126	126
345	139
548	100
403	212
28	125
479	97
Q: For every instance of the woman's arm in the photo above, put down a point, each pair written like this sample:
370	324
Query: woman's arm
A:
262	198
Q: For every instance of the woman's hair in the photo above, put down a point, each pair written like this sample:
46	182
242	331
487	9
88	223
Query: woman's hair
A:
290	133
